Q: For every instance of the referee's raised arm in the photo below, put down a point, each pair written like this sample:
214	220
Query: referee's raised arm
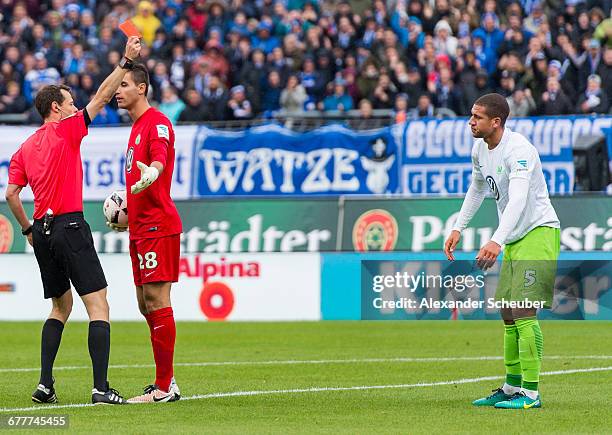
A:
110	85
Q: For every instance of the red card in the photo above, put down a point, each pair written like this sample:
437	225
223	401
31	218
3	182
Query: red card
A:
130	29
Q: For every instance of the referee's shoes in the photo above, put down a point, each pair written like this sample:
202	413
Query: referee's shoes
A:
44	394
108	397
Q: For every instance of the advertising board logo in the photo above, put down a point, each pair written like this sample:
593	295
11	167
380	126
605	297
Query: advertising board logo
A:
375	230
216	300
6	234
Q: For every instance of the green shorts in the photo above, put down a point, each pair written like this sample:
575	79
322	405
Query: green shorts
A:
529	267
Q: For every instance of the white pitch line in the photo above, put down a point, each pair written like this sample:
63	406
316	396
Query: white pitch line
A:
306	362
322	389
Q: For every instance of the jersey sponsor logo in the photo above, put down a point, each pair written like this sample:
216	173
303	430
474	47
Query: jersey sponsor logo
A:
163	132
493	187
137	141
523	163
500	169
129	159
375	230
6	234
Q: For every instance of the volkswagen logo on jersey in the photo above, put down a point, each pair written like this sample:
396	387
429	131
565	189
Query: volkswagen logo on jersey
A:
493	187
129	159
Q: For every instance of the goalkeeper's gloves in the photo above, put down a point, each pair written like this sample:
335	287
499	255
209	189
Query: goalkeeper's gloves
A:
148	174
116	227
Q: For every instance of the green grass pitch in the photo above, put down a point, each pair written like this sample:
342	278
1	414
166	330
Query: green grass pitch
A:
429	372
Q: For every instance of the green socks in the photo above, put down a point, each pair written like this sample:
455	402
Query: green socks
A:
530	346
511	356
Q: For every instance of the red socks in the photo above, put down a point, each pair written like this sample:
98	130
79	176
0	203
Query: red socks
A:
163	336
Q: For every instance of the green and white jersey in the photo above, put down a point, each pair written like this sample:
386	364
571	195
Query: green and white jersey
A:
514	157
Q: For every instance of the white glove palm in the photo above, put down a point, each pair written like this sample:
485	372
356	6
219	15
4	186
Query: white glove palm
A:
148	174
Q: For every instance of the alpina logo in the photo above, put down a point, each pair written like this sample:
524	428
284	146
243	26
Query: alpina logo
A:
6	234
375	230
195	267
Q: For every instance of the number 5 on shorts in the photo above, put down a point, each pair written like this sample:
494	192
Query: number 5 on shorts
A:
149	261
530	278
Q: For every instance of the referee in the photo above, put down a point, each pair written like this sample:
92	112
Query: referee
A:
50	162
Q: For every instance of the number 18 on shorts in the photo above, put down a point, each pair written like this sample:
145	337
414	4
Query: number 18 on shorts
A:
155	260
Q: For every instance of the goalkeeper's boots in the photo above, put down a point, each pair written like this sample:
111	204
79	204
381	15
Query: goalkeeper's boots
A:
108	397
153	394
497	396
44	394
520	401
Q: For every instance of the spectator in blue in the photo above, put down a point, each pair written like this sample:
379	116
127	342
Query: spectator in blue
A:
399	24
416	37
38	77
239	25
264	40
312	82
369	32
217	17
516	37
74	59
88	28
170	17
271	93
492	38
172	106
107	116
339	100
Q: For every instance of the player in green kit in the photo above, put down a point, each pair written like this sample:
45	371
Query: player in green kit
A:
508	165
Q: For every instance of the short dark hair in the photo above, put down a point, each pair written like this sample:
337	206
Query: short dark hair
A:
140	74
495	106
47	95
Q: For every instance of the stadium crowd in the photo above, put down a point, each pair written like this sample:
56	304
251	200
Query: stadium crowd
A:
239	59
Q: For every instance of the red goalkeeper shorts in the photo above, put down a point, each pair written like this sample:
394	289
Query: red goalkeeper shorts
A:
155	260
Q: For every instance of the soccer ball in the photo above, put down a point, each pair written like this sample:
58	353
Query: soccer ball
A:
115	208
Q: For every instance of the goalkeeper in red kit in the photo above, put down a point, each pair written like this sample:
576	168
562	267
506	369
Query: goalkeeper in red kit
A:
154	224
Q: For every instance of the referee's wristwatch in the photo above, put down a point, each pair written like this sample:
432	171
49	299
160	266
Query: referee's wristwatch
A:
126	63
27	231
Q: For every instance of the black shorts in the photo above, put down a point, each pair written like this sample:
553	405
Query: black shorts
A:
67	255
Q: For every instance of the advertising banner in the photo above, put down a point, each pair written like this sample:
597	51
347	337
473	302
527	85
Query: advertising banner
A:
423	224
436	158
216	226
272	160
103	155
258	287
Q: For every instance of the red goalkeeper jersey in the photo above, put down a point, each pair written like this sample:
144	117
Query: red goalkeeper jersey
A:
151	213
